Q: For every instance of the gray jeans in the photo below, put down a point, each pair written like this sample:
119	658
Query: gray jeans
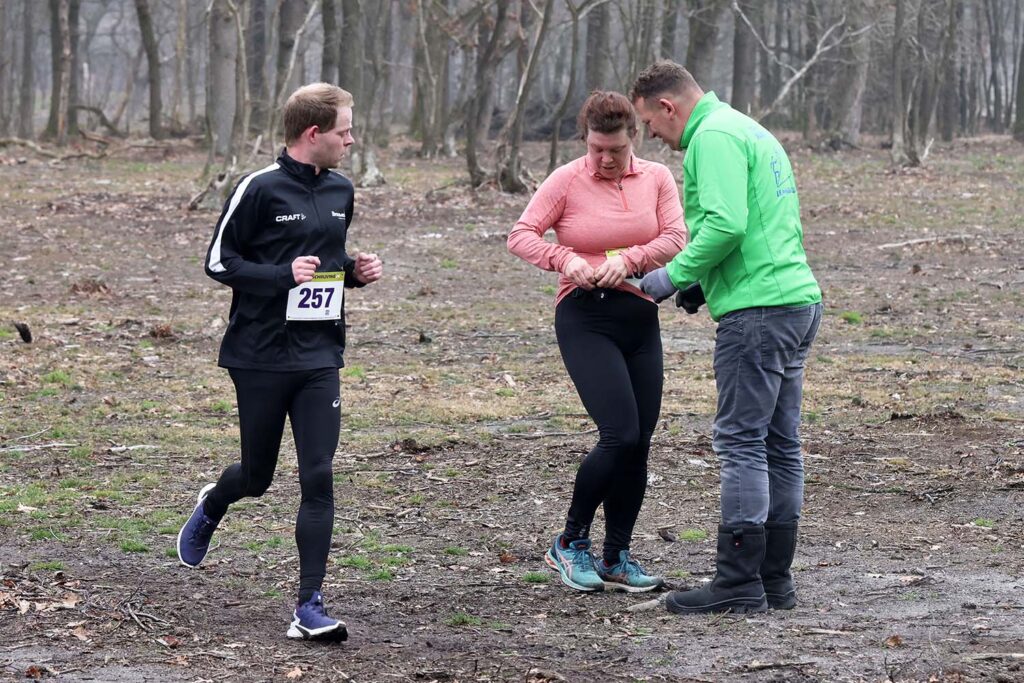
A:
759	371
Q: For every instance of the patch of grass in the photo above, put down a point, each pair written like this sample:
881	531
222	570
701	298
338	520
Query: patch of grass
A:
505	392
458	552
852	317
381	575
354	371
693	535
171	552
549	290
5	334
359	562
57	377
984	523
50	566
462	619
131	545
536	577
449	264
221	406
416	499
678	574
80	452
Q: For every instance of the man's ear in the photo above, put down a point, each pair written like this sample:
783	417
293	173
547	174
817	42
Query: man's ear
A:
311	133
667	106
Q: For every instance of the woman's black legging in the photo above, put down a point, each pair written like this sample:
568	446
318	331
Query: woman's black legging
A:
611	345
311	399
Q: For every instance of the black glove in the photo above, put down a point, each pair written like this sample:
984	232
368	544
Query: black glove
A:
691	298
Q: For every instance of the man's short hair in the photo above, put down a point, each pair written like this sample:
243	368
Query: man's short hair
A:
315	104
662	78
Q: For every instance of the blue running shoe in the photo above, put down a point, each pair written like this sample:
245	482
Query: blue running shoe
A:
574	564
627	575
310	622
194	537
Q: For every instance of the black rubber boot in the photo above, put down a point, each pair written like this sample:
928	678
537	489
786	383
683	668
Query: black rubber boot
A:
780	545
737	583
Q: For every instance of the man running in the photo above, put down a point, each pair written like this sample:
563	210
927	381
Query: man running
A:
280	246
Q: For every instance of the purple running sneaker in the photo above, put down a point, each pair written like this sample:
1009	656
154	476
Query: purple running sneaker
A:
310	622
194	537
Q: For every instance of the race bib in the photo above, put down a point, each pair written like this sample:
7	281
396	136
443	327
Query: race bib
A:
318	299
635	281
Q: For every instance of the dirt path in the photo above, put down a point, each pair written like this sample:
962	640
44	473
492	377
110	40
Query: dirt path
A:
462	434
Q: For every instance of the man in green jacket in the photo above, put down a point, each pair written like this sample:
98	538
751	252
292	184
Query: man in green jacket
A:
746	252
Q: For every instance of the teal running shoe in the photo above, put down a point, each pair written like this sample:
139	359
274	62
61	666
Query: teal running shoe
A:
574	564
627	575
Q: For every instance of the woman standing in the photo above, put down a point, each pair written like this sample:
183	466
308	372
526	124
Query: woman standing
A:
614	216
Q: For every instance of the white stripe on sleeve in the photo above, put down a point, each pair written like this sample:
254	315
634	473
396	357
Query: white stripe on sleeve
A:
214	263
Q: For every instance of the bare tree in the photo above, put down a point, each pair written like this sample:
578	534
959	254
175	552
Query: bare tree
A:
153	62
510	175
75	69
669	29
60	55
290	24
6	74
220	91
26	89
598	62
700	52
901	156
744	58
576	13
1019	123
256	58
491	32
332	49
846	101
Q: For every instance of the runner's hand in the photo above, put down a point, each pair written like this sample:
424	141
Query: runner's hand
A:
611	273
369	268
580	273
303	268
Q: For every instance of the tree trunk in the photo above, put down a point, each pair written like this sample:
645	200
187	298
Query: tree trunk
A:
949	91
256	58
563	107
75	69
846	104
378	49
26	89
700	52
290	21
669	30
899	153
995	41
221	70
1018	125
153	63
510	178
489	56
743	59
353	49
60	56
332	48
178	86
599	27
5	71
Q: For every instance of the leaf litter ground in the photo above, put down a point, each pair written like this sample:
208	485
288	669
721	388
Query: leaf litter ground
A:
461	436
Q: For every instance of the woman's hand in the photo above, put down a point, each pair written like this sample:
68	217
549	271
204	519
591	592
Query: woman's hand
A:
580	273
611	273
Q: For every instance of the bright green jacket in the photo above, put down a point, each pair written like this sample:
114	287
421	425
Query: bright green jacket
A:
739	196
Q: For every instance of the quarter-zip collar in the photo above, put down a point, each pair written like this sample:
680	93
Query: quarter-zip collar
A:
630	170
305	173
705	105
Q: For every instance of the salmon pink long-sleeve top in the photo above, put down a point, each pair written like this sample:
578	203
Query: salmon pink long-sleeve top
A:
639	216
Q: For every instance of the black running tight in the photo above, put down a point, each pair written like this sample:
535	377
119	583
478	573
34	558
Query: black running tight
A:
611	345
311	399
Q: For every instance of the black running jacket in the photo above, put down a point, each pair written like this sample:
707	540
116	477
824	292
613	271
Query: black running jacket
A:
273	216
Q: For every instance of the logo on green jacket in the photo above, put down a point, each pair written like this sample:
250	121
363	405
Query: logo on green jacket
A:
783	185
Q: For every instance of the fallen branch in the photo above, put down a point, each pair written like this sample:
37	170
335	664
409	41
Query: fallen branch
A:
994	655
926	240
38	447
31	145
647	605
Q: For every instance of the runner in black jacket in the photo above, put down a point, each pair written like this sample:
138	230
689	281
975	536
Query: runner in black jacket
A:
280	245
